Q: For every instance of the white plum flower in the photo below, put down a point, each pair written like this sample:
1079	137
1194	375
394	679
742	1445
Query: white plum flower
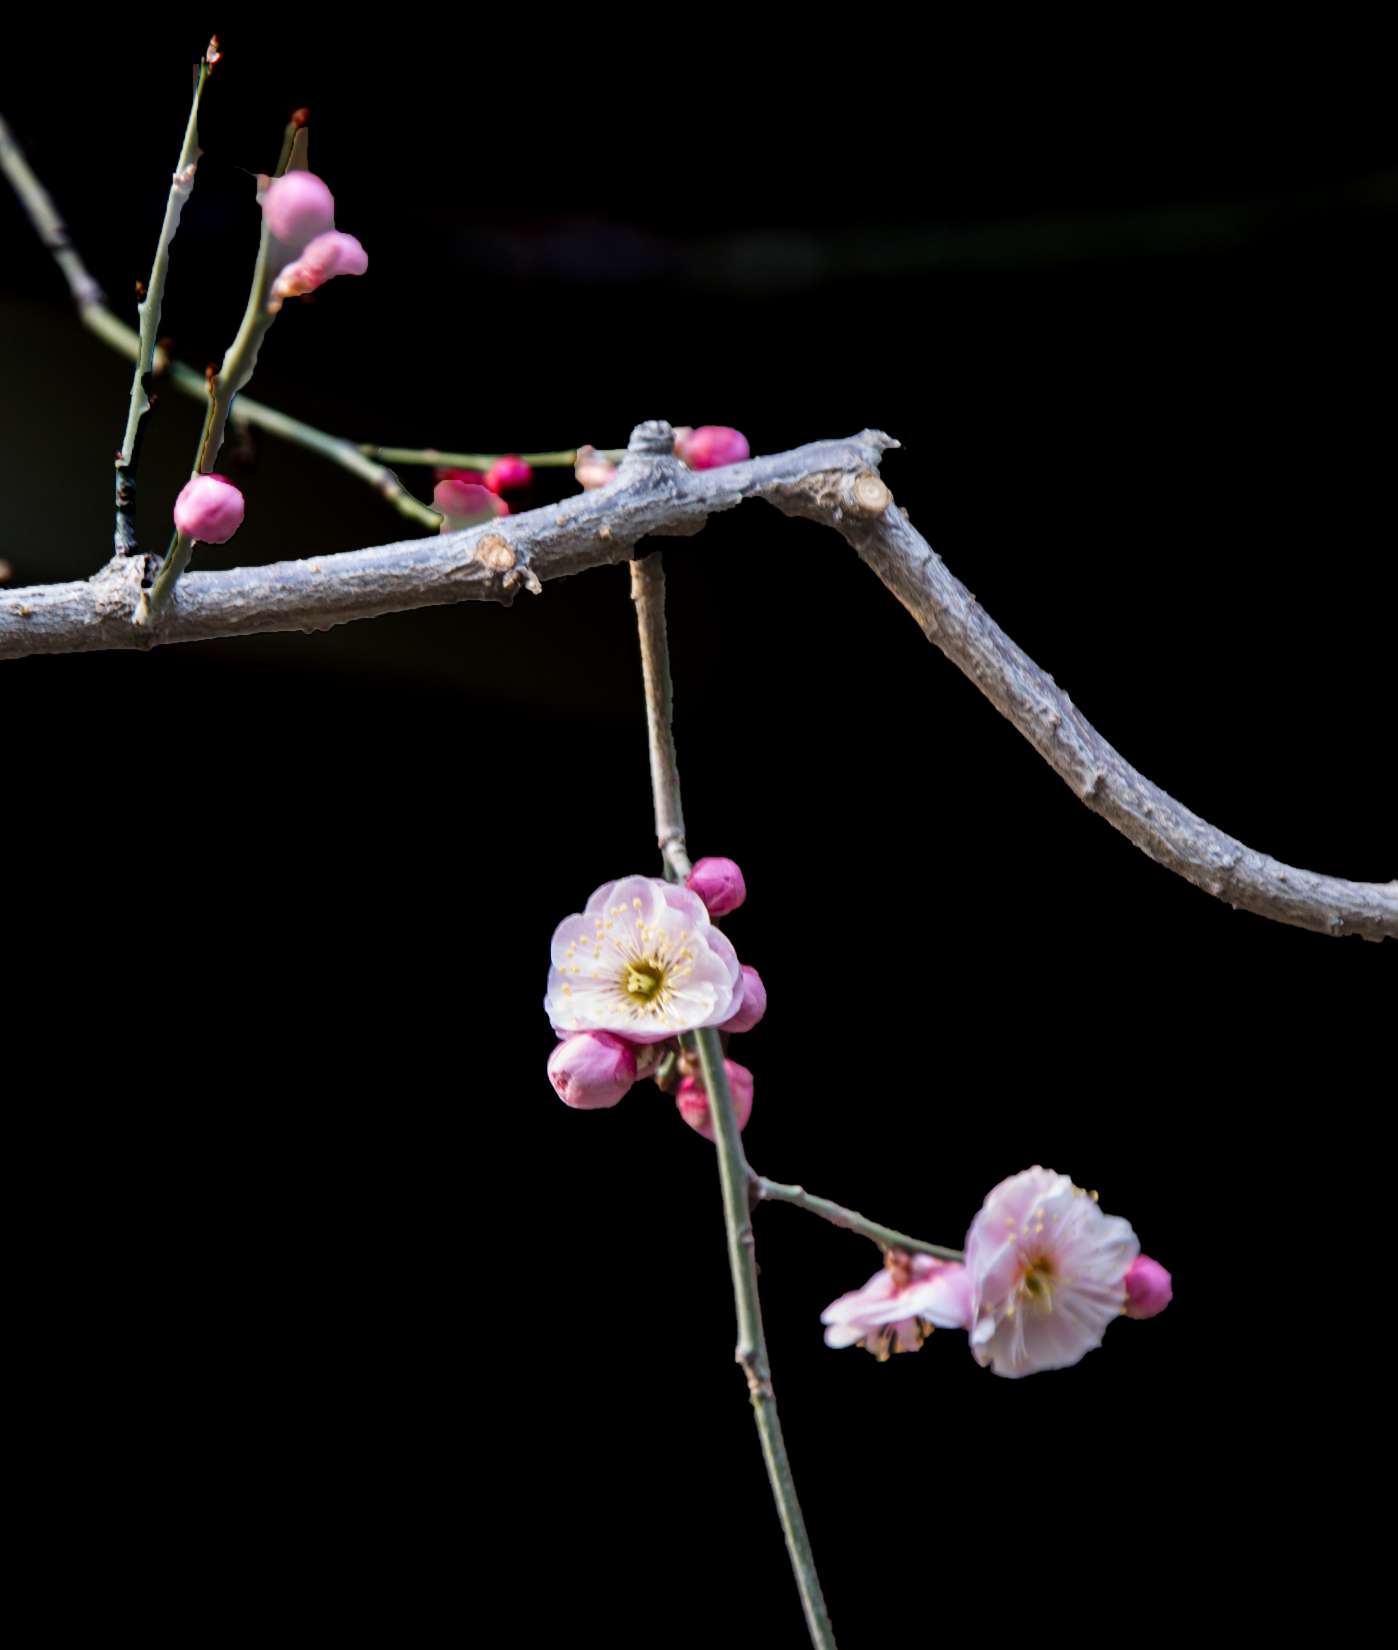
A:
1047	1271
644	961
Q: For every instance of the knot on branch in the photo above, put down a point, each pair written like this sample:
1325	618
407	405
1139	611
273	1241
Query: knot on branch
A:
653	439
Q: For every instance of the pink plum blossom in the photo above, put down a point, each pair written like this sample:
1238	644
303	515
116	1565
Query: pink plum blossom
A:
711	446
508	474
900	1306
642	959
754	1002
1047	1270
298	207
209	508
466	504
719	883
693	1099
1149	1289
325	257
592	1069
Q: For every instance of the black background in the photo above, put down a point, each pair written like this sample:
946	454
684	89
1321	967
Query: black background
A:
320	1292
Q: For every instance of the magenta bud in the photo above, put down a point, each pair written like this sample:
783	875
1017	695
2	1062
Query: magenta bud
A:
298	207
592	1069
210	509
693	1101
1148	1288
754	1003
719	883
711	446
508	475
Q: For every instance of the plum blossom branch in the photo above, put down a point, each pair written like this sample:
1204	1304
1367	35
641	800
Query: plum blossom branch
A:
654	494
648	593
771	1191
114	332
181	186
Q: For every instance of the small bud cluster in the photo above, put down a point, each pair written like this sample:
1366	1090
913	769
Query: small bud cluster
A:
306	249
468	497
650	967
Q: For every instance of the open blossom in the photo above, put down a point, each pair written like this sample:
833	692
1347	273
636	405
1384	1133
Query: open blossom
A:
209	508
643	960
900	1306
1047	1272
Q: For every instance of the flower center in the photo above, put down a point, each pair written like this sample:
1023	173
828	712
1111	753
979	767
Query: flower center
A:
641	981
1038	1281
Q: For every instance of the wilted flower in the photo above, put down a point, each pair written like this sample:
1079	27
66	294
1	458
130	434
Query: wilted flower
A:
1047	1271
327	255
900	1306
209	508
642	960
693	1100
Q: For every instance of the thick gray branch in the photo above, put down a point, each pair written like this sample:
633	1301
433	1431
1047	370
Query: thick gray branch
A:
834	482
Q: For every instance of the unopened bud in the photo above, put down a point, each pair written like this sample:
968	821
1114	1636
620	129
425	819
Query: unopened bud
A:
210	509
592	1069
508	474
1148	1288
693	1102
592	470
754	1003
298	207
719	883
466	504
711	446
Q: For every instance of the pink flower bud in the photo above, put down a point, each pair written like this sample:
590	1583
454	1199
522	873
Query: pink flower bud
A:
1148	1288
298	207
754	1003
508	475
711	446
592	470
210	509
693	1101
466	504
476	477
327	256
719	883
592	1069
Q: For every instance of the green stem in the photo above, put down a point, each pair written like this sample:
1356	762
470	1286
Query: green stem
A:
648	592
435	459
181	186
771	1191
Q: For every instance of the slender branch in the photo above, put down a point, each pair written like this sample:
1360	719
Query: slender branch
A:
181	187
833	482
113	331
648	592
770	1191
434	458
